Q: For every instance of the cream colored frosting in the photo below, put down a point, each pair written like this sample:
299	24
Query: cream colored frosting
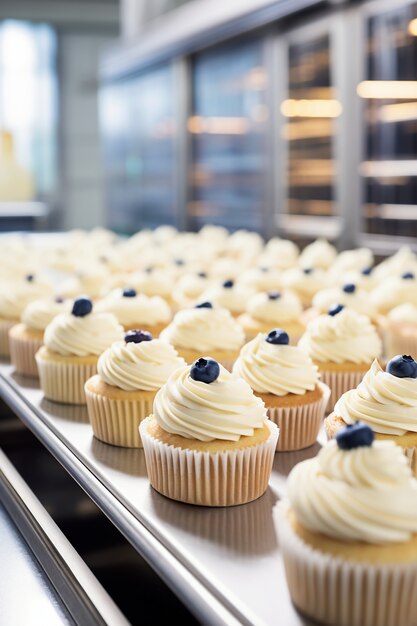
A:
81	336
233	298
138	366
286	308
385	402
204	330
191	286
15	296
276	369
306	284
349	260
394	291
39	313
281	253
261	278
320	254
404	260
224	409
157	282
359	300
345	337
365	494
139	309
404	313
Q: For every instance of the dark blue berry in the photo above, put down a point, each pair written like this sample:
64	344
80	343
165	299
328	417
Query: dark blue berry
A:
149	269
103	259
349	288
204	305
228	284
205	370
264	269
402	366
335	309
278	337
308	270
82	306
202	274
179	262
128	292
367	271
408	276
30	278
274	295
59	299
355	435
137	336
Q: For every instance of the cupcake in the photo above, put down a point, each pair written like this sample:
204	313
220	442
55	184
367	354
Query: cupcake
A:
280	253
286	379
208	441
230	295
121	394
26	338
189	289
14	297
273	308
305	282
133	310
154	281
387	401
400	330
262	278
319	254
73	342
348	533
205	329
343	344
404	260
394	291
349	295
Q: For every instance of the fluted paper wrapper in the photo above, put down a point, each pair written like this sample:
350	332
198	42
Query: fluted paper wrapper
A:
64	382
339	383
5	326
22	355
220	479
299	425
335	591
117	421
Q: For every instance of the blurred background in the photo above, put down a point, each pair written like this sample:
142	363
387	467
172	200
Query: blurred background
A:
292	117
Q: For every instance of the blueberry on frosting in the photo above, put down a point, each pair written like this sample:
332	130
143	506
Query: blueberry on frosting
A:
137	336
408	276
402	366
264	269
278	337
202	274
59	299
349	288
149	269
204	305
367	271
82	306
179	262
307	270
355	435
205	370
30	278
335	309
274	295
228	284
128	292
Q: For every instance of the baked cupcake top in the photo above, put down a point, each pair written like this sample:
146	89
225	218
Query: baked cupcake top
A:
229	295
349	295
404	314
206	402
394	291
320	253
270	365
356	489
39	313
15	296
275	307
386	400
129	307
139	362
204	328
341	336
82	332
306	280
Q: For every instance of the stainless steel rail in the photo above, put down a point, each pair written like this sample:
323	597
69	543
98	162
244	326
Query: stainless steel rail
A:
224	564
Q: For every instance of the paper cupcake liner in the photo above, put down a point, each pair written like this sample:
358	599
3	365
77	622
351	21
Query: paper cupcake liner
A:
5	326
22	355
299	425
64	382
332	590
396	343
117	421
221	479
339	383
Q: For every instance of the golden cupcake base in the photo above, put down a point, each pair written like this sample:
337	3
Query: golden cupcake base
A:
62	378
24	343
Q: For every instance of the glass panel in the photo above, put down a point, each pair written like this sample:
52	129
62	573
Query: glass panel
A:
228	130
310	111
139	127
390	101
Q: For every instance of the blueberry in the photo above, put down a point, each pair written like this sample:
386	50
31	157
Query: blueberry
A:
264	269
349	288
202	274
408	276
228	284
402	366
128	292
367	271
30	278
355	435
179	262
82	306
308	270
103	259
278	337
148	269
59	299
137	336
204	305
205	370
274	295
335	309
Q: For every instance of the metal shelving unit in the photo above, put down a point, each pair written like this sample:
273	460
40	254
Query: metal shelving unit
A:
223	563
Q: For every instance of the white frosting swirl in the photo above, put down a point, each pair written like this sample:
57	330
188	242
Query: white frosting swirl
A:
276	369
156	282
365	494
385	402
281	253
405	313
232	298
132	366
286	308
139	309
320	253
15	296
82	336
204	330
359	300
345	337
224	409
394	291
304	284
404	260
39	313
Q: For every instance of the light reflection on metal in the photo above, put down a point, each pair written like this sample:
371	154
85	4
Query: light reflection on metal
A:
399	112
412	27
311	108
388	89
388	169
218	125
307	129
391	211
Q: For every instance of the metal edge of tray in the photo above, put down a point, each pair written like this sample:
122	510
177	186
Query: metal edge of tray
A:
200	600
